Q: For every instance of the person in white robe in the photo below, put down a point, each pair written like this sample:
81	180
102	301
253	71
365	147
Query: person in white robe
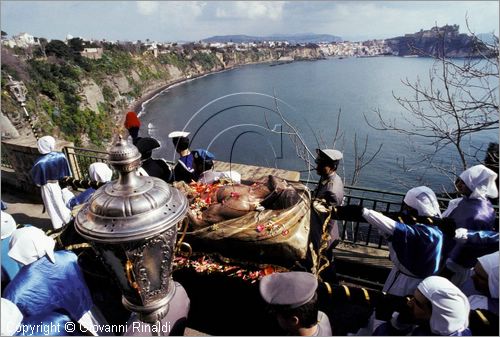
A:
46	172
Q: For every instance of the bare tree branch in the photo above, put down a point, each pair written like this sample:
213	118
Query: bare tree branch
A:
458	100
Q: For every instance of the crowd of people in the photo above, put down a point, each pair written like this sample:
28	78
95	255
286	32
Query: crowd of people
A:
447	266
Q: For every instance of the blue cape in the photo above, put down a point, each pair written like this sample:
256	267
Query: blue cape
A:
43	286
81	198
51	166
418	248
475	215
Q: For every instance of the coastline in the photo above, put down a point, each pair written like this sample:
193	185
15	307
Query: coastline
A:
138	104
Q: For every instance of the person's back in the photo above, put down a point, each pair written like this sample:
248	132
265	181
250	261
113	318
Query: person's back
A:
474	215
415	260
153	167
157	168
46	172
49	281
47	286
183	169
98	172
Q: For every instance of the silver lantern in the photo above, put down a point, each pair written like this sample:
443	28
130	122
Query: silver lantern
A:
132	225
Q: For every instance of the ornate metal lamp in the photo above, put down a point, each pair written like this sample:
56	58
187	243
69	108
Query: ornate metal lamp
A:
132	225
18	91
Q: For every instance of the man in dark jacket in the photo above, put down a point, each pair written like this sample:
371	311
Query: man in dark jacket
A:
153	167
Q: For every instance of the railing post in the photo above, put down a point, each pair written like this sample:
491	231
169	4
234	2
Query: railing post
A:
69	152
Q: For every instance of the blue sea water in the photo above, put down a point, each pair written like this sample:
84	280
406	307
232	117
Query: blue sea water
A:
233	113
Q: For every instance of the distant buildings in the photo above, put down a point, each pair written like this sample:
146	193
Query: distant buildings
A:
22	40
92	53
343	49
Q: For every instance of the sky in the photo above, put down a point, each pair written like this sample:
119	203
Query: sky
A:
164	21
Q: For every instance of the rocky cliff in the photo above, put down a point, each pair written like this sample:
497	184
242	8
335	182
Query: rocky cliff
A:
85	100
438	41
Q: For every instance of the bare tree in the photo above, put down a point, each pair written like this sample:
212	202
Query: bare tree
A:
361	158
458	101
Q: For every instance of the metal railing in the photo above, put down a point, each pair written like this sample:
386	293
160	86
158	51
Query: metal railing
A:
357	233
5	159
80	159
363	233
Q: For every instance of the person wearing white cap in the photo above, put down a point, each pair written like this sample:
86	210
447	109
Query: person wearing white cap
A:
99	172
183	169
151	166
46	172
414	250
330	186
438	307
482	287
49	281
10	267
293	299
473	211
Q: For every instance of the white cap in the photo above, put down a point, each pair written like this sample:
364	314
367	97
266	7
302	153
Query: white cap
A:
100	172
330	153
177	134
46	144
11	318
28	244
450	307
8	225
424	200
481	181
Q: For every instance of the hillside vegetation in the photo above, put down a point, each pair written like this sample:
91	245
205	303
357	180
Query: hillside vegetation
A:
83	100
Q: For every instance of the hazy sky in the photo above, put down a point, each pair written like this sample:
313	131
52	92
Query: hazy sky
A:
195	20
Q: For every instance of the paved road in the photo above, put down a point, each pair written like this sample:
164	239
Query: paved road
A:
25	208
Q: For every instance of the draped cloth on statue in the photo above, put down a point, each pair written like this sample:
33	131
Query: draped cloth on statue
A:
277	233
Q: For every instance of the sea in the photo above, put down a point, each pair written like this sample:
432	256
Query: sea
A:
278	115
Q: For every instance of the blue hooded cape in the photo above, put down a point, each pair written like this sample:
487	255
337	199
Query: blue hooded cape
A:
43	287
418	248
51	166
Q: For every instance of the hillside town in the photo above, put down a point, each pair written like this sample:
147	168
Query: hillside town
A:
92	50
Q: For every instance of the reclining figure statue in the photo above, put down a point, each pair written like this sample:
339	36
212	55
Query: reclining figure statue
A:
218	202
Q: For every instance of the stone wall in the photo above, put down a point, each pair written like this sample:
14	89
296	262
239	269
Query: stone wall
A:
21	153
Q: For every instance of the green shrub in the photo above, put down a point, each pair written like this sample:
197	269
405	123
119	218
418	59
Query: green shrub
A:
207	61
